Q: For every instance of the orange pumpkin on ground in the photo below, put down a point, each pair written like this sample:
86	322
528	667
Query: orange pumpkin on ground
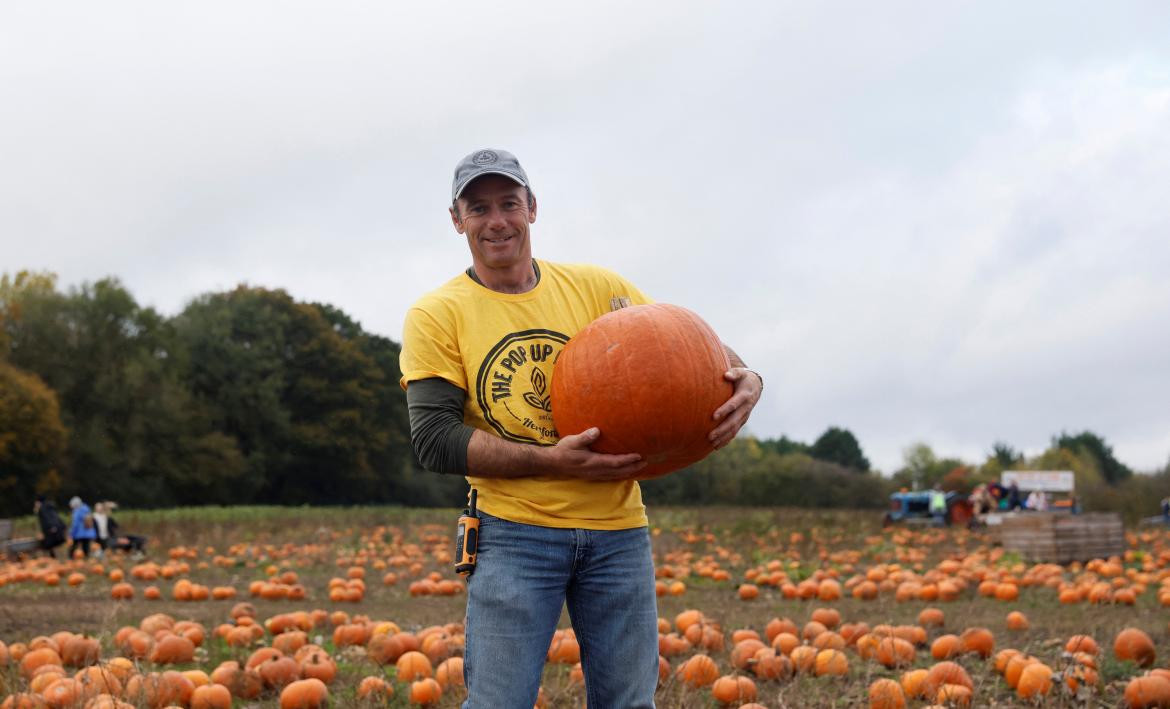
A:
945	672
886	694
425	691
945	647
1147	691
1035	681
913	681
699	671
730	689
979	641
374	689
413	665
450	672
1017	621
211	696
304	694
1082	643
1134	645
831	662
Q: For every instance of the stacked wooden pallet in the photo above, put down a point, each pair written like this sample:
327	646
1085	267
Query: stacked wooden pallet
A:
1061	537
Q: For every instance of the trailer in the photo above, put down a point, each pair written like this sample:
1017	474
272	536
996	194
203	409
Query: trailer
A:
12	548
1058	537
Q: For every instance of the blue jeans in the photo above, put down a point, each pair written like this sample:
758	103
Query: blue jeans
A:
524	576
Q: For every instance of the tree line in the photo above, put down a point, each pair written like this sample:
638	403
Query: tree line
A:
249	396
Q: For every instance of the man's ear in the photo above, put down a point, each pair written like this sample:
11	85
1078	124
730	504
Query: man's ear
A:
532	212
456	220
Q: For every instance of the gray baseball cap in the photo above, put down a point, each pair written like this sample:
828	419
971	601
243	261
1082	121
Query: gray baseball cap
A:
486	162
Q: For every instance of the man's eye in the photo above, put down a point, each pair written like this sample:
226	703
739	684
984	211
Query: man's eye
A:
476	210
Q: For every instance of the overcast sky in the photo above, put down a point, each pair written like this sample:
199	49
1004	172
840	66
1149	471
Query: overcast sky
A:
923	221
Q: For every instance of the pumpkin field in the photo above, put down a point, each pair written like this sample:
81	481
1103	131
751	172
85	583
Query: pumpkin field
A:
306	607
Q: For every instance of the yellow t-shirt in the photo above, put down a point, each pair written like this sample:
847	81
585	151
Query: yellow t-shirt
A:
500	348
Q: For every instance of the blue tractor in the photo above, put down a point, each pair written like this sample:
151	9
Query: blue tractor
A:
913	507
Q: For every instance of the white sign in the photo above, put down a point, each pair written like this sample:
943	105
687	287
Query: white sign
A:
1046	480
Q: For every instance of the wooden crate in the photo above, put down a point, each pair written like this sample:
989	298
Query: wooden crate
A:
1061	537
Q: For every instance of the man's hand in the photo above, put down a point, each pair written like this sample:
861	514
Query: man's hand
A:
734	413
572	458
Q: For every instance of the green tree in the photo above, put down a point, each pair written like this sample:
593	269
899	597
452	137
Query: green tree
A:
399	476
839	445
1113	470
922	469
291	383
135	434
32	439
1087	475
1005	455
784	445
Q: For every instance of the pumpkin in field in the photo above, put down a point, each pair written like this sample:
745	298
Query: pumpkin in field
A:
304	694
886	694
730	689
945	672
413	665
1035	680
1134	645
425	691
211	696
650	377
699	671
1147	691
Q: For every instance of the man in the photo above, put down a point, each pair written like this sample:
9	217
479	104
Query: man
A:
52	526
559	523
938	506
81	528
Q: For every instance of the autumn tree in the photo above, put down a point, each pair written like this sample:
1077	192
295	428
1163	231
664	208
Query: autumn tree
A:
134	433
32	440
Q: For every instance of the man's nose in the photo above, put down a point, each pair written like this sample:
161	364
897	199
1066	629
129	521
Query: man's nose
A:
496	218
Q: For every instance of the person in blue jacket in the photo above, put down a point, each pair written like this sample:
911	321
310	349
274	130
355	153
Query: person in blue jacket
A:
82	529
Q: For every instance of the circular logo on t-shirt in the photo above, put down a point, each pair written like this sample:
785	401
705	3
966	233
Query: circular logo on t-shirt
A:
485	157
513	387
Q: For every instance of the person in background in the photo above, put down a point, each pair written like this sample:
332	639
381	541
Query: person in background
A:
997	493
983	502
101	526
1032	502
133	543
52	526
938	506
1013	497
81	529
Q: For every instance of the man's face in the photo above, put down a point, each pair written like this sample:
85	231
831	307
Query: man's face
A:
494	215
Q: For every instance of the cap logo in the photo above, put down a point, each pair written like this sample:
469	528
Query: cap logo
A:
485	157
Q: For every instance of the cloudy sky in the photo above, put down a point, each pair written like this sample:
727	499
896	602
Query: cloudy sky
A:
922	221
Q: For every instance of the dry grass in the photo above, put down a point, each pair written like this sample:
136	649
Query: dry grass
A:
739	539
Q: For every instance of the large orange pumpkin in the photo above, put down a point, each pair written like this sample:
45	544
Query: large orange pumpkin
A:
304	694
650	377
1147	691
1134	645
